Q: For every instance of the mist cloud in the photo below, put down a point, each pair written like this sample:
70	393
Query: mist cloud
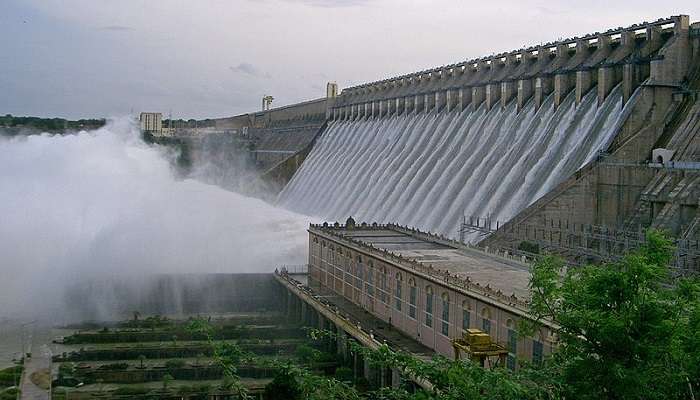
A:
104	204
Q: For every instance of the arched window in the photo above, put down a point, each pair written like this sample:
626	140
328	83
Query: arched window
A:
382	285
537	349
512	344
397	294
445	328
413	295
429	306
466	315
360	274
486	320
370	279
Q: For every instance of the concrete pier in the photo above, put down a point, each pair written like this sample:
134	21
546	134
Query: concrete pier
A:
524	92
508	92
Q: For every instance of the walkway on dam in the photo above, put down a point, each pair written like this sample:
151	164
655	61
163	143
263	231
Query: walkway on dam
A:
40	361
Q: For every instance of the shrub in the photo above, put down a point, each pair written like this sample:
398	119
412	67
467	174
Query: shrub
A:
343	374
529	247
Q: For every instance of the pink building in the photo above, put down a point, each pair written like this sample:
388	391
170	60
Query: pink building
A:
430	288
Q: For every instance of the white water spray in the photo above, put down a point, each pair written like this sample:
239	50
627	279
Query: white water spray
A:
428	170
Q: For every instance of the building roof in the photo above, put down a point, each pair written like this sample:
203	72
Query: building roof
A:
487	270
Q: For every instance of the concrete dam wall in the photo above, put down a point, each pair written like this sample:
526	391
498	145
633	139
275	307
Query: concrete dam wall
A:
173	295
493	135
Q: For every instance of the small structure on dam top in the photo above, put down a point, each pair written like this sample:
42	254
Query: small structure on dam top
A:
434	291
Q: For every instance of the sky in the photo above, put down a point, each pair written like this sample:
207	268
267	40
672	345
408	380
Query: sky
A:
215	58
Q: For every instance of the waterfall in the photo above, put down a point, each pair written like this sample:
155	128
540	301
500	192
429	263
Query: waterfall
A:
429	169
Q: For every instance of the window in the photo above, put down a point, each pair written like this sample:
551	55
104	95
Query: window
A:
370	280
445	329
465	315
360	272
537	349
382	288
510	362
429	306
413	294
486	320
398	292
512	345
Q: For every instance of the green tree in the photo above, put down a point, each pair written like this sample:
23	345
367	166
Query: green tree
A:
628	329
167	378
142	358
284	386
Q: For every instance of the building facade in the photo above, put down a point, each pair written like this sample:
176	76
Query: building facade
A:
426	286
151	123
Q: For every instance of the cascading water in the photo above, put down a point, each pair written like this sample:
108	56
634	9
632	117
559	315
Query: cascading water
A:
427	170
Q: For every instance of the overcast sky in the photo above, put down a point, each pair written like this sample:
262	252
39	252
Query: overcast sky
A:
210	58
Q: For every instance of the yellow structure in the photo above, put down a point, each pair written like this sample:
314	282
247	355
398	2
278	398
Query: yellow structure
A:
477	345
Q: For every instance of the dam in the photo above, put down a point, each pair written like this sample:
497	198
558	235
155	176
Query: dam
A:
562	134
488	136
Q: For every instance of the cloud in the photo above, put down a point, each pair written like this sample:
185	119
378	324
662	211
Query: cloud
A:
116	28
331	3
250	69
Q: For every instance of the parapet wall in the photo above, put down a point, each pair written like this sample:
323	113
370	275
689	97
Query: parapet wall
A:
653	53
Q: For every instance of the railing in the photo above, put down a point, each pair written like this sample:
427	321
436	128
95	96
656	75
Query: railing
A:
302	269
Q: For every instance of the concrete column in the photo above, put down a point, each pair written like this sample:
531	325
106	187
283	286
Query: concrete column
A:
524	92
654	36
451	99
395	378
336	114
409	104
429	102
543	87
607	80
367	370
391	107
584	82
368	110
304	313
382	108
341	344
290	304
375	109
508	92
419	103
562	87
493	94
400	105
464	98
630	80
440	100
478	95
